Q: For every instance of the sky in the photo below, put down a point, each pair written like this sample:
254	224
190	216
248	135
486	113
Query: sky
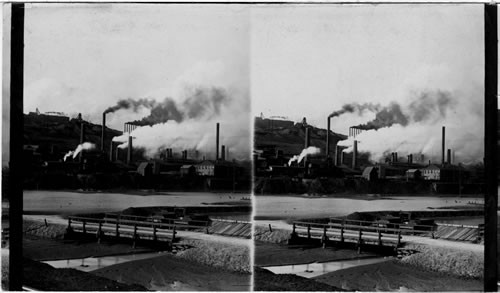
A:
309	61
82	58
287	60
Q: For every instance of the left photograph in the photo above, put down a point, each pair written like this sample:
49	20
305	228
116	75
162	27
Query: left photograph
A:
136	147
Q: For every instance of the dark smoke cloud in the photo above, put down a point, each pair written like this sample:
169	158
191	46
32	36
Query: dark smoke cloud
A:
424	106
427	104
161	113
201	102
205	101
131	104
386	117
355	107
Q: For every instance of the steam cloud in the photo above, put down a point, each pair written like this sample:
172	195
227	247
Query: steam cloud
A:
309	151
414	127
188	123
79	148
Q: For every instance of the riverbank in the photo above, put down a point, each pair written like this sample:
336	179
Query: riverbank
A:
208	264
439	266
43	277
393	275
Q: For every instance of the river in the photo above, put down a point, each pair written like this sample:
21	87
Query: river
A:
293	207
67	202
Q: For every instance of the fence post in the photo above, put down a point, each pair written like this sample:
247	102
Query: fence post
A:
84	230
342	232
309	231
135	236
293	228
270	229
173	235
154	233
399	239
360	240
324	240
379	237
117	230
99	231
69	223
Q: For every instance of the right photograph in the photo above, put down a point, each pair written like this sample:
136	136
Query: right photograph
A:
368	147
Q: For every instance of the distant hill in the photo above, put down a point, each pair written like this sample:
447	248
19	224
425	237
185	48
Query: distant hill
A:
290	137
56	135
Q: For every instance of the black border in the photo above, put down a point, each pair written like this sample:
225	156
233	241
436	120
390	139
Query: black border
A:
490	146
17	126
16	146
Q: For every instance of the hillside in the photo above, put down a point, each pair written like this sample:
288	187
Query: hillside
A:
289	136
56	135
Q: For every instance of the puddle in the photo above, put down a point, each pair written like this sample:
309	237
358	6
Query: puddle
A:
312	270
93	263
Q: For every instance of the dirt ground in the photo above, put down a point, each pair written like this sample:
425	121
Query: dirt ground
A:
165	273
392	275
268	254
169	273
46	278
395	276
40	249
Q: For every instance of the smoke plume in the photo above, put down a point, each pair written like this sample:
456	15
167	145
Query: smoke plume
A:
201	101
309	151
414	127
79	148
67	155
355	107
188	123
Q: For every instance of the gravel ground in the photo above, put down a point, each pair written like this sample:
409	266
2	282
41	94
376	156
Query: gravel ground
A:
46	278
393	275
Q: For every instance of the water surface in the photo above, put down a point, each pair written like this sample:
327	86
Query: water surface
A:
312	270
293	207
64	202
89	264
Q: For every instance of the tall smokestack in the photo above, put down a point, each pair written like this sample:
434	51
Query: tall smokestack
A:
223	152
217	142
117	153
82	137
103	130
337	155
328	138
449	156
396	157
111	151
307	142
442	147
411	158
129	150
355	155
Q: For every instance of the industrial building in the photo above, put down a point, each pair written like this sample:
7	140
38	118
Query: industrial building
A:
343	171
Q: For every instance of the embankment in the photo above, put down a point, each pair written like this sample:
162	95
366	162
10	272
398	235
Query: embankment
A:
456	262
